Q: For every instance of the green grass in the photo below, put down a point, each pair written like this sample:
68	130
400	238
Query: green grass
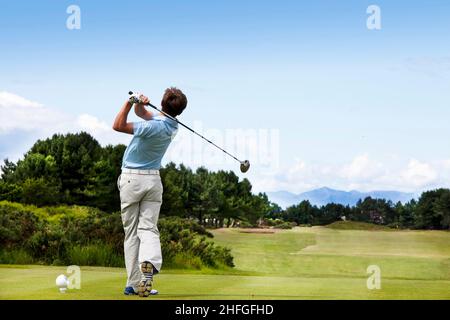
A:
354	225
302	263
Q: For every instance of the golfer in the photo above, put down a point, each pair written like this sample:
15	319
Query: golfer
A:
141	188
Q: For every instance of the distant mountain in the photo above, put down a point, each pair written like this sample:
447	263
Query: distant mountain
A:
325	195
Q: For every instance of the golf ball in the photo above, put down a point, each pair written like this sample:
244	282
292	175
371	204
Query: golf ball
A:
61	282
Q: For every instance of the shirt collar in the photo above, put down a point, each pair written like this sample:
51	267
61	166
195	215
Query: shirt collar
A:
168	120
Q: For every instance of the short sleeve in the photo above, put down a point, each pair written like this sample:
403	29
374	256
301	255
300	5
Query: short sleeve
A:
144	128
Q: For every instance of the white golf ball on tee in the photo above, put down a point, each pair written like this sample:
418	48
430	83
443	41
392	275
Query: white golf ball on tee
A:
62	283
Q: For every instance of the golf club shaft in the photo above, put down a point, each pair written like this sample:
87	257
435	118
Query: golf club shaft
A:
198	134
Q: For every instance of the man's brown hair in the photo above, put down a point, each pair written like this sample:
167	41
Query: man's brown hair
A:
174	101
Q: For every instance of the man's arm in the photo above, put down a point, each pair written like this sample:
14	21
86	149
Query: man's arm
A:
141	112
120	123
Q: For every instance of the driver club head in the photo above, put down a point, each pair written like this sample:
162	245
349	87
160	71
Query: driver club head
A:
245	165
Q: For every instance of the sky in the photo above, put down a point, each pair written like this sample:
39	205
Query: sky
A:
303	89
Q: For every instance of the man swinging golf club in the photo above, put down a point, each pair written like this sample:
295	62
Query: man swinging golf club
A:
140	185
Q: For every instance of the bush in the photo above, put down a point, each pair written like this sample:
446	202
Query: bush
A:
174	225
184	240
16	256
94	255
245	224
48	244
278	223
285	225
184	260
16	225
86	236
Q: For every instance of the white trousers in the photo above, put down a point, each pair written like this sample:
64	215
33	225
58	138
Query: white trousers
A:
141	199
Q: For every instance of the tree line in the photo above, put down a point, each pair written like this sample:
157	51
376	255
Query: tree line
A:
75	169
430	211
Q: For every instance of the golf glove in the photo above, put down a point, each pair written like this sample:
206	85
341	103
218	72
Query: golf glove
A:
134	98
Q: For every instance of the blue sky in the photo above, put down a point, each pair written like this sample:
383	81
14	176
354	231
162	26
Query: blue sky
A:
352	108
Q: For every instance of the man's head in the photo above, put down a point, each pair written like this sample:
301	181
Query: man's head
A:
173	102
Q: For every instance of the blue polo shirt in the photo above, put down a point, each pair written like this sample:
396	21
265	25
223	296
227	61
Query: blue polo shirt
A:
149	144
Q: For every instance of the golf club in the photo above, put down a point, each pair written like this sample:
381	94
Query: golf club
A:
245	165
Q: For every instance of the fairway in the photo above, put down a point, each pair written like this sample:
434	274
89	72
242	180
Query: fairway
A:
302	263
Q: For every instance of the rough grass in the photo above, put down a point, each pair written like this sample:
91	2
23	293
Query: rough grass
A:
302	263
18	256
94	255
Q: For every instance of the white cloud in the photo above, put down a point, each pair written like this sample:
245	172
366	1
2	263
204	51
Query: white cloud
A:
11	100
91	123
419	174
38	121
446	164
298	167
100	130
300	176
360	173
361	168
19	113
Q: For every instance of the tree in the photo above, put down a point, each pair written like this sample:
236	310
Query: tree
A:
175	190
275	211
405	213
39	191
74	167
377	211
330	213
442	208
303	213
433	210
7	170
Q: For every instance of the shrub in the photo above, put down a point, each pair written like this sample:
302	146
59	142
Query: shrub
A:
284	225
16	256
94	255
184	260
174	225
48	244
182	238
245	224
278	223
87	236
16	225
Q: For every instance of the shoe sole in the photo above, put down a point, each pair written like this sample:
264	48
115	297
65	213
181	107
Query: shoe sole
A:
145	286
146	267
